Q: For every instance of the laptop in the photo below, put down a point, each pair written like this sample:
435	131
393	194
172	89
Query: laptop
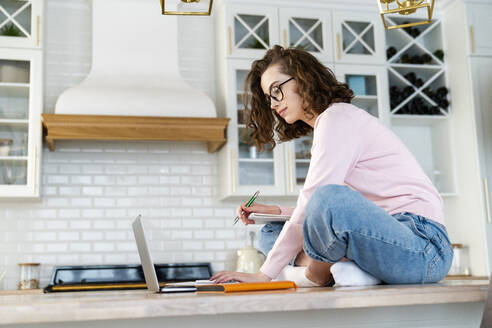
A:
148	264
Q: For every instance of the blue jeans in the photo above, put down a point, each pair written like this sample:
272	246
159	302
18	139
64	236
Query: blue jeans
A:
403	248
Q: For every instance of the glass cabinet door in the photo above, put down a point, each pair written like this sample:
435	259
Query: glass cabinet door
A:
359	37
309	30
298	158
20	23
251	31
19	122
369	84
255	170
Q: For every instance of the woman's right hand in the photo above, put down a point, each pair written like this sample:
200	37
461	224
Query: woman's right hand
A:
243	212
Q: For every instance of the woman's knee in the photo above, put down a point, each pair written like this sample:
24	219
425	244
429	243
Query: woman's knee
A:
324	201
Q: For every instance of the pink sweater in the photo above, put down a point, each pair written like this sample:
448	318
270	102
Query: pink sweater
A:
351	147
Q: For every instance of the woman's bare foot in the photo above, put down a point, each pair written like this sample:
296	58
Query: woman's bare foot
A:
319	273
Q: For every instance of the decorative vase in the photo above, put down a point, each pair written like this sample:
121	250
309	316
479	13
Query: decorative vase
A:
253	153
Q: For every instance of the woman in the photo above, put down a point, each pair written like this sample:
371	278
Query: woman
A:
365	198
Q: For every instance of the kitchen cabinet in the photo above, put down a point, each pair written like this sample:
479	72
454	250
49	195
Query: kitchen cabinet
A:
307	29
20	122
21	95
369	84
359	37
20	23
419	99
480	42
244	169
250	30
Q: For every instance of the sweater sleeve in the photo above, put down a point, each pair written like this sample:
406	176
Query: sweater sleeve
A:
284	210
336	147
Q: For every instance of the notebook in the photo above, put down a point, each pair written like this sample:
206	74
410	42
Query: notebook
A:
197	286
261	218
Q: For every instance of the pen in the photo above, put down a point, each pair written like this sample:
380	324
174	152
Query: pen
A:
248	204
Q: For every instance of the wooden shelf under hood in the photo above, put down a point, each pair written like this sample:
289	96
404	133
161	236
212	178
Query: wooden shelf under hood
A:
102	127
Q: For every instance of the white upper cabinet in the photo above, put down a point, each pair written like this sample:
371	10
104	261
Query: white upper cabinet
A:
359	37
20	122
244	167
251	30
479	18
370	85
307	29
20	23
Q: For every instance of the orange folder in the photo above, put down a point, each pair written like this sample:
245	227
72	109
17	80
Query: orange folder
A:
246	286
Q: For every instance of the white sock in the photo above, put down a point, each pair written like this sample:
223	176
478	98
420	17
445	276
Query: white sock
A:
296	274
349	274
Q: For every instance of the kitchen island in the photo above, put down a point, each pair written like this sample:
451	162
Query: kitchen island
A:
456	303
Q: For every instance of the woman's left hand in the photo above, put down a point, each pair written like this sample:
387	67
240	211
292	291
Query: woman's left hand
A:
225	276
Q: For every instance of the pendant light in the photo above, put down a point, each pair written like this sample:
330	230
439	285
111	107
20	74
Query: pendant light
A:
187	7
405	8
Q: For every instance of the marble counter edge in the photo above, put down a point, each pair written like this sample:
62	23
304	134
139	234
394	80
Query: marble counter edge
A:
83	306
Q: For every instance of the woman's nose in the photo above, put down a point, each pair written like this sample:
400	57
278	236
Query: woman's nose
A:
274	103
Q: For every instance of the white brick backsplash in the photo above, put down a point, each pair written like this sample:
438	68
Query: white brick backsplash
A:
93	235
225	234
69	213
56	202
203	234
115	235
181	212
80	224
176	234
69	191
192	223
192	245
103	247
70	169
69	235
80	247
80	180
56	247
214	245
56	224
104	202
56	179
81	202
92	190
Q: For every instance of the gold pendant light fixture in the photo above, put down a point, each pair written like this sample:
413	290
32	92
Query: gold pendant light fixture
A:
187	7
406	7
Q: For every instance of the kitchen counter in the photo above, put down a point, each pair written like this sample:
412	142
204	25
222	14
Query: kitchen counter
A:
27	307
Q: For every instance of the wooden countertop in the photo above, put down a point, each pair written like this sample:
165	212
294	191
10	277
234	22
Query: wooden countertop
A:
36	307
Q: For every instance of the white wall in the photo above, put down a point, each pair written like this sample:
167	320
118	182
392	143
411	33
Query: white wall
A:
92	190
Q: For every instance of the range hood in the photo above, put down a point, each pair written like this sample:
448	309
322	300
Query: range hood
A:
134	90
134	66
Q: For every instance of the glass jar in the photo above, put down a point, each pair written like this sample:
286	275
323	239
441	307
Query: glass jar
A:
29	276
461	262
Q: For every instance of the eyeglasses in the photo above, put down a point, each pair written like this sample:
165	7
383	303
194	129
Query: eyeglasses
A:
276	92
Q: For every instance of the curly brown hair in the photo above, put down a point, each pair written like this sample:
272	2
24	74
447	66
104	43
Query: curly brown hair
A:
316	84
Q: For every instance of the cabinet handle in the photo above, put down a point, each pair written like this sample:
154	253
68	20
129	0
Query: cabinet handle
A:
291	178
487	203
472	38
285	38
339	47
37	31
229	38
35	169
233	170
